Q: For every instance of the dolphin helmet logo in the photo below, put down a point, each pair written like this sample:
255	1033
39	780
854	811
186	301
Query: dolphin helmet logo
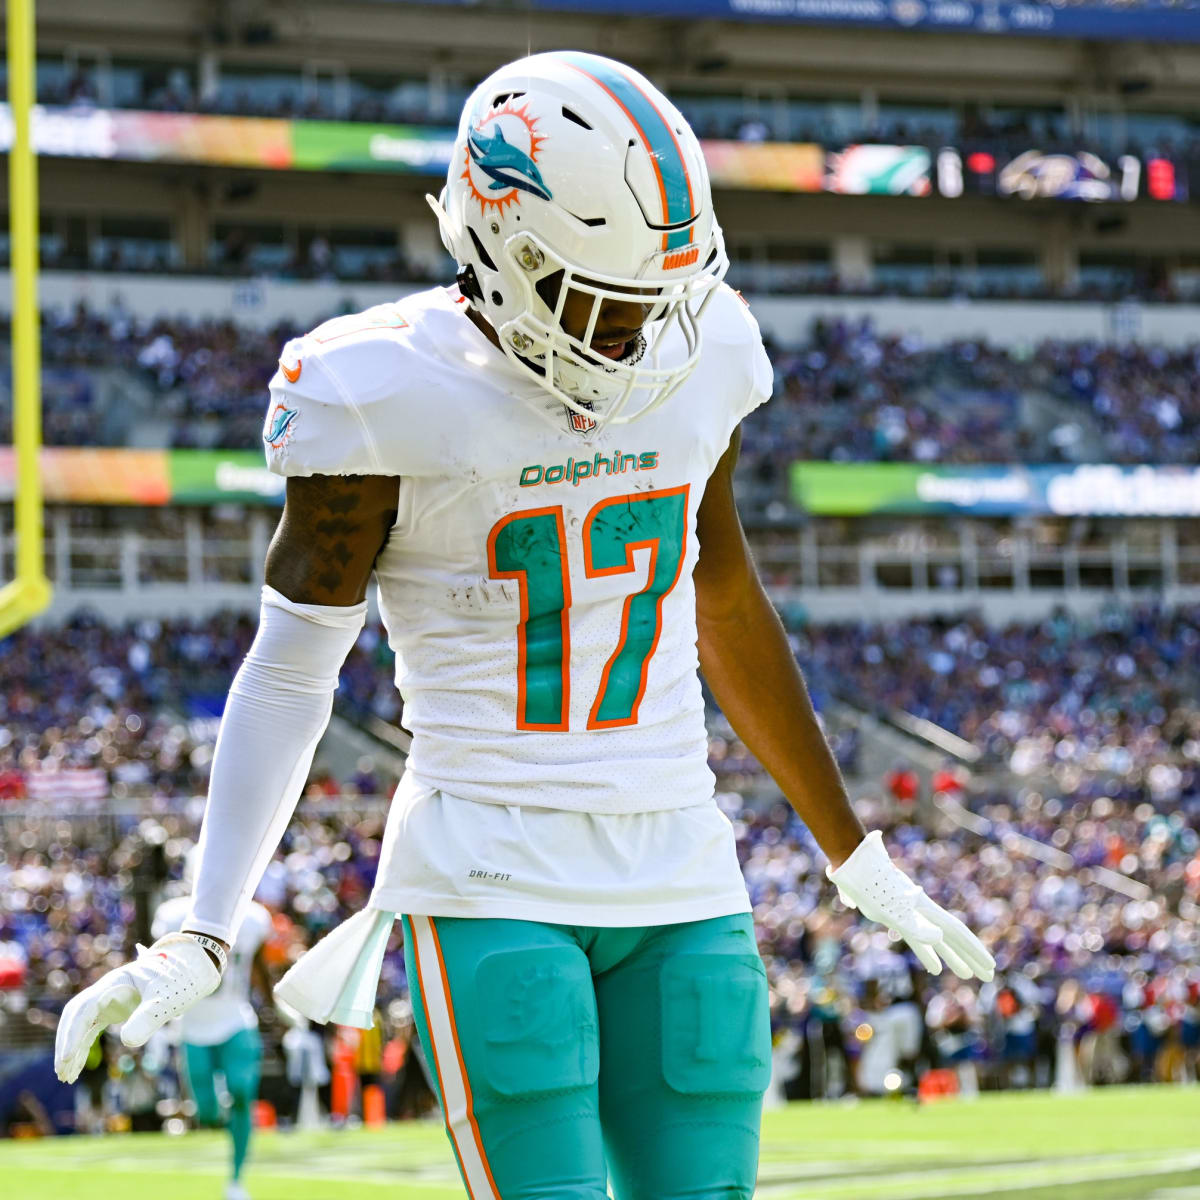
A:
505	165
501	158
280	427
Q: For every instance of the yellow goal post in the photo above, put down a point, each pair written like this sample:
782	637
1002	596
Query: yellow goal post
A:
28	593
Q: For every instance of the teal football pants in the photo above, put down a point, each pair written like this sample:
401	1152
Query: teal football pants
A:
566	1056
238	1061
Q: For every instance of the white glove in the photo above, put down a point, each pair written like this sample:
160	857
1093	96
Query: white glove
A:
869	881
161	983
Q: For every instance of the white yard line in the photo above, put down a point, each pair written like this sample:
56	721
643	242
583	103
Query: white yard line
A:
330	1166
984	1178
835	1178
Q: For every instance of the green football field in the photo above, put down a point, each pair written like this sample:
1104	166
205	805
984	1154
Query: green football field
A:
1113	1144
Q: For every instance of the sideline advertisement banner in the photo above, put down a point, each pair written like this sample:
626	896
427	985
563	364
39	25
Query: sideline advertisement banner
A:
93	475
356	146
766	166
155	137
913	489
101	475
874	169
857	169
209	476
264	142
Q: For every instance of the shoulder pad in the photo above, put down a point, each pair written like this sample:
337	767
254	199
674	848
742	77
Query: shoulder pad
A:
372	324
327	384
729	324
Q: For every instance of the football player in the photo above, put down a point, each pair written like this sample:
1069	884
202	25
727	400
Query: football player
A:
537	465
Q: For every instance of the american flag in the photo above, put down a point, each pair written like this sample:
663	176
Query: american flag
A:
67	784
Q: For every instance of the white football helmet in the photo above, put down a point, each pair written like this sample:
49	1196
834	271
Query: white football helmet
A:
575	163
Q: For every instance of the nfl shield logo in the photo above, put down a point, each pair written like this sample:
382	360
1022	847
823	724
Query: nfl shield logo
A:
579	423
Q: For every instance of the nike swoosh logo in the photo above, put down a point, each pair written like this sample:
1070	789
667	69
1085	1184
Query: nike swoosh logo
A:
291	374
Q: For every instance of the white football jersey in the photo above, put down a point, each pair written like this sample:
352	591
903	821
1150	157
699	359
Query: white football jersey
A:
227	1011
537	585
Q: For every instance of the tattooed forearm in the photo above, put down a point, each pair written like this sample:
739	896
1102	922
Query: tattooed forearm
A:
332	530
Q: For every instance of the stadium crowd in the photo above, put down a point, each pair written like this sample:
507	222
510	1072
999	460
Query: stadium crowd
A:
846	392
1112	782
91	711
843	391
1117	695
1111	978
1145	398
1116	978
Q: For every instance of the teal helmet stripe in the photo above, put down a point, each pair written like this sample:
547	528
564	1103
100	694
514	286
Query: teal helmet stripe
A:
674	182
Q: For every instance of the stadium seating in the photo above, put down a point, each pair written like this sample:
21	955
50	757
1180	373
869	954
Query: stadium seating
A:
844	392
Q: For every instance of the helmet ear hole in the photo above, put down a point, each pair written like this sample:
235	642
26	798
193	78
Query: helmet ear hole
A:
497	299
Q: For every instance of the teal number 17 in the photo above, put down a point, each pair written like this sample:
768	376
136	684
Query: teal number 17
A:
530	546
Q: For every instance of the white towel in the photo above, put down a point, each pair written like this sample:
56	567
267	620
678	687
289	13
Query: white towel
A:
337	979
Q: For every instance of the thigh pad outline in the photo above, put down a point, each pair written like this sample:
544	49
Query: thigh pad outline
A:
716	1033
538	1021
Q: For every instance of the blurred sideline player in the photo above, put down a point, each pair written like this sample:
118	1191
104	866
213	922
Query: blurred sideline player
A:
894	1040
219	1034
538	468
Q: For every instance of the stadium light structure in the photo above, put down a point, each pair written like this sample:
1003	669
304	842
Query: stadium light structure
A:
28	593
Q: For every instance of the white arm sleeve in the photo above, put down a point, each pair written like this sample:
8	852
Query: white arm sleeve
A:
278	707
